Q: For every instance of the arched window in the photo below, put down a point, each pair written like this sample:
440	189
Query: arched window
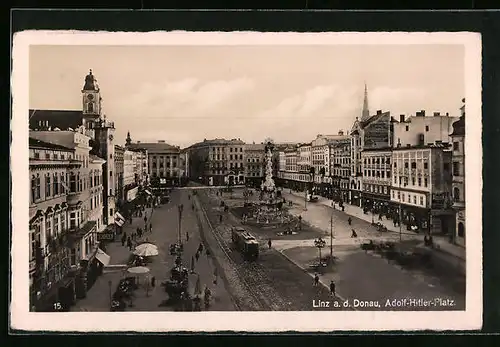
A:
461	229
456	194
90	107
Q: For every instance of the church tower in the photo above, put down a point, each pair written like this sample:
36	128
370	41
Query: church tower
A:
91	101
365	114
128	140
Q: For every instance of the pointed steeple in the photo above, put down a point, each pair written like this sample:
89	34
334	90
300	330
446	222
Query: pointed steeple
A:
366	112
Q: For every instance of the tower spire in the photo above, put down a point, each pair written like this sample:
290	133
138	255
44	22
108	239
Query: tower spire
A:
128	140
366	112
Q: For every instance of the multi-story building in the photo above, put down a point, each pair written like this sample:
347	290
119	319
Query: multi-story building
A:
255	164
130	175
376	140
376	166
320	160
65	217
422	172
421	186
304	164
101	131
141	167
458	180
340	168
217	161
163	161
290	174
119	167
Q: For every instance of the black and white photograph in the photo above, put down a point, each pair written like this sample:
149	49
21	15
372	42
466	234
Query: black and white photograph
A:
246	181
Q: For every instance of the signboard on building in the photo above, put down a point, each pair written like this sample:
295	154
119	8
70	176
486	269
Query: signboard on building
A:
376	134
132	194
438	200
107	235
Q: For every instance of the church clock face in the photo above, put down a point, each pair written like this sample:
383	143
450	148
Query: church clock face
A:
90	97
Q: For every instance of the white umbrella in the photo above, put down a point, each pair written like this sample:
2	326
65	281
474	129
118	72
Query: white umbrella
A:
146	245
138	270
146	251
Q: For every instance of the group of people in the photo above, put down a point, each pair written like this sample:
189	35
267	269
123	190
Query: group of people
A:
332	284
128	240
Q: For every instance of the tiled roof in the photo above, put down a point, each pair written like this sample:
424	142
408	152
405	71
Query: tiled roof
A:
153	146
34	143
62	119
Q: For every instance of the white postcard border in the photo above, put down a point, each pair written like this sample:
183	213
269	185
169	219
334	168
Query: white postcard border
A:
322	321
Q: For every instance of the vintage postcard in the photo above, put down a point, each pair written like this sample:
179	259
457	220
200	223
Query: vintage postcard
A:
181	181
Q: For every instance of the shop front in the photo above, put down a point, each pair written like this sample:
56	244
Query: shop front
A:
376	204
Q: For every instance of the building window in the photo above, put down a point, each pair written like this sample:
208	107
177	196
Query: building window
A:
110	211
425	182
110	174
426	165
56	184
399	195
456	194
421	201
461	229
415	199
33	189
63	221
56	225
456	168
455	146
419	180
413	165
47	186
426	128
407	128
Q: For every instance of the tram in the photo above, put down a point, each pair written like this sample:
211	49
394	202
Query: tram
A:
245	243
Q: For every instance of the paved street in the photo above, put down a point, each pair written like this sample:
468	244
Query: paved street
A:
359	275
165	232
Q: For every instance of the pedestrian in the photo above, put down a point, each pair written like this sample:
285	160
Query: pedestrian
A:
349	220
220	218
129	243
153	281
332	288
269	243
207	252
187	236
197	255
150	227
145	219
354	234
316	280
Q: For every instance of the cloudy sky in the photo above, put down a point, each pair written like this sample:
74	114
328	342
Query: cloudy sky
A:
183	94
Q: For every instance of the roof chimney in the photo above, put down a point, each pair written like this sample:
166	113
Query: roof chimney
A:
447	114
402	118
341	132
437	114
379	111
138	142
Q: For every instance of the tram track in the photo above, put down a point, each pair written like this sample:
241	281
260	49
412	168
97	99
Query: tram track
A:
224	247
252	274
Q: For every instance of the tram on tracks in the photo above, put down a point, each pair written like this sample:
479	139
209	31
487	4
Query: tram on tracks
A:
246	244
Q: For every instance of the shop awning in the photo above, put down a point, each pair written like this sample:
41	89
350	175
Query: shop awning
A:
102	257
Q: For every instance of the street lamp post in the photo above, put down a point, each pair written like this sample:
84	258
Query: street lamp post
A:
331	237
180	209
